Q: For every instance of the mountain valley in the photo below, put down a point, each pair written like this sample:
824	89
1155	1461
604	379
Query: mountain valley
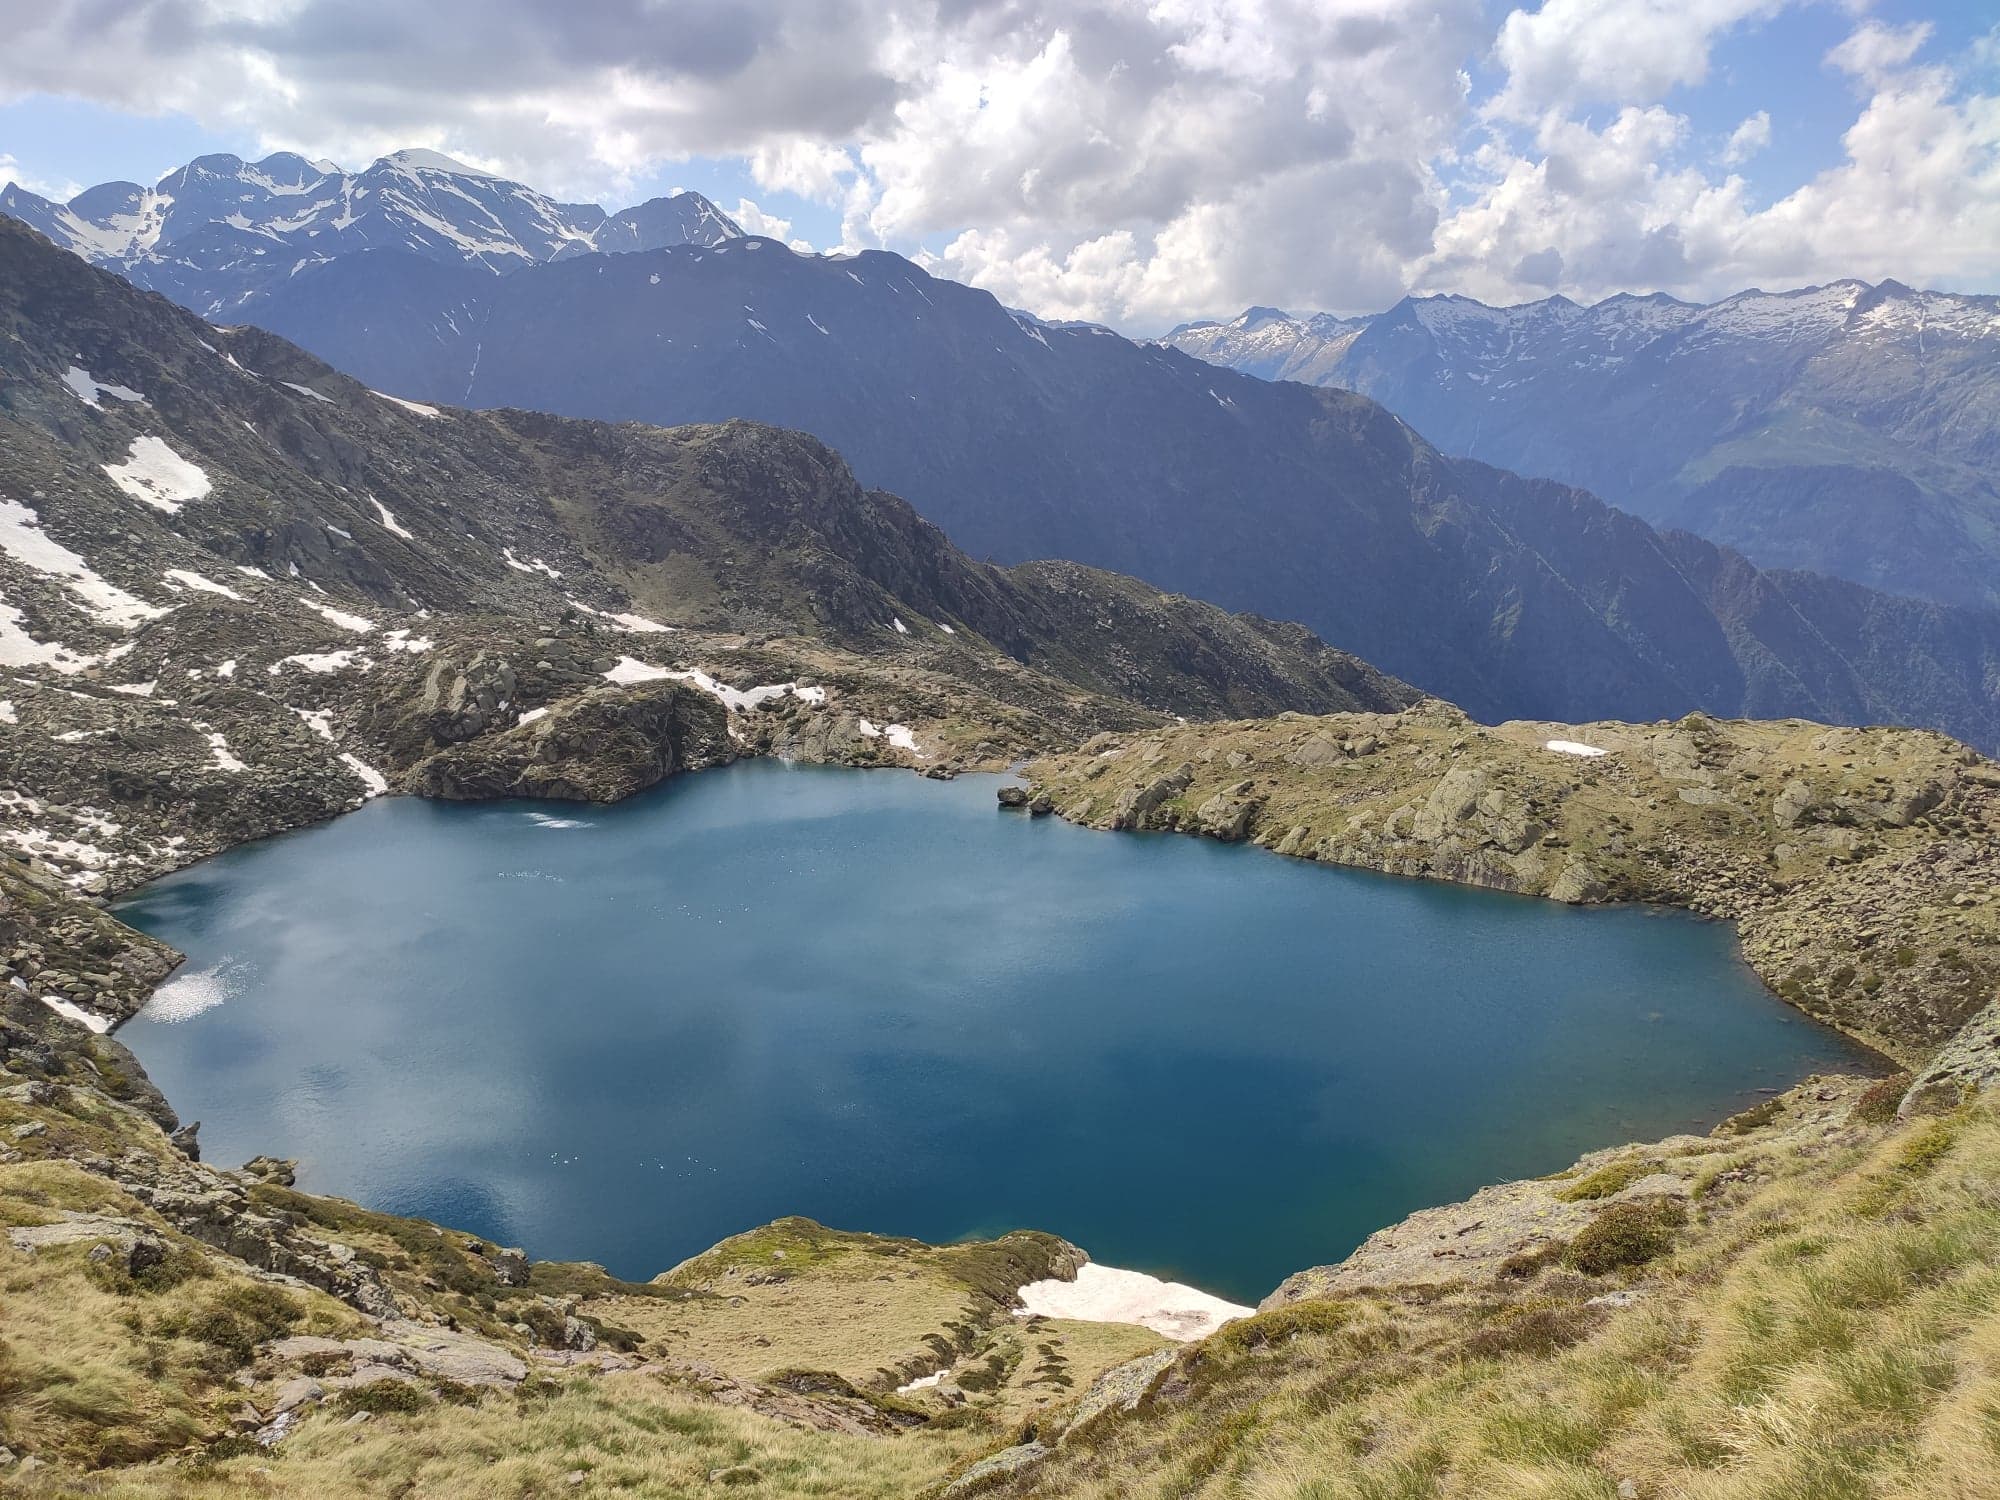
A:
418	483
1848	429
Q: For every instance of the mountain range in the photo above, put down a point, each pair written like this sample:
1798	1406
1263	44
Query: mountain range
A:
154	470
1024	439
218	231
1849	429
1515	597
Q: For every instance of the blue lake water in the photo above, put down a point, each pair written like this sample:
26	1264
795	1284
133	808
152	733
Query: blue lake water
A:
619	1034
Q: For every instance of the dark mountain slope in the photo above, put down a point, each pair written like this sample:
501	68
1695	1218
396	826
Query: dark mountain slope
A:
233	466
1850	429
1023	439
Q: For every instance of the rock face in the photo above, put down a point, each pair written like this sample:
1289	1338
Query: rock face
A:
600	746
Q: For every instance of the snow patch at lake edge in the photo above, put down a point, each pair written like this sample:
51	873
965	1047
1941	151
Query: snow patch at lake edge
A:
1105	1294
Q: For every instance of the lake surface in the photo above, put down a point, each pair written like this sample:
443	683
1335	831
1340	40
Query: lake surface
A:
619	1034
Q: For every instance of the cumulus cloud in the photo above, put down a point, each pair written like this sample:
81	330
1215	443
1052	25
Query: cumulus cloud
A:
1873	52
14	172
755	221
1572	52
1916	197
1747	139
1130	161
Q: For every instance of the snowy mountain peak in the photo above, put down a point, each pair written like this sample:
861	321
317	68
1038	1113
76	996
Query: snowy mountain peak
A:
219	231
418	159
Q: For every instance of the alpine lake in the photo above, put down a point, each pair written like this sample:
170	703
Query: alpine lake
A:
622	1033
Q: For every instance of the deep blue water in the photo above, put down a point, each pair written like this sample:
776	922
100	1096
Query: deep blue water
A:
876	1000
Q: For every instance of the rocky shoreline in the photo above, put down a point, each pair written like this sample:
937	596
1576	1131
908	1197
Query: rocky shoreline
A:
1861	867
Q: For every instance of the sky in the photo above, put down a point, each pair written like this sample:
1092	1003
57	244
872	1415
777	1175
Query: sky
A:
1133	162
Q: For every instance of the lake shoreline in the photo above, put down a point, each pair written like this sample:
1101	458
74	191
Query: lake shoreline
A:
1560	1000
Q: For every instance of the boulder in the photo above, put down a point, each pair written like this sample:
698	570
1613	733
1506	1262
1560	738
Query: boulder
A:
598	746
1137	805
1227	815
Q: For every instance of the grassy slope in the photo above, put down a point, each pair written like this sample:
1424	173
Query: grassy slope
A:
1827	1325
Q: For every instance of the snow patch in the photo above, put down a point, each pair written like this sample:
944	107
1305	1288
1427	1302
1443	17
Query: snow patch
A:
224	761
306	390
629	670
533	565
1572	747
1105	1294
896	624
416	406
389	523
155	475
318	720
19	649
530	716
630	624
7	714
371	778
203	585
340	617
77	1013
320	663
88	390
22	539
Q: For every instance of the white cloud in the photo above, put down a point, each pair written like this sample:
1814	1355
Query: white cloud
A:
1572	52
1130	161
1873	52
1917	197
755	221
12	171
1747	139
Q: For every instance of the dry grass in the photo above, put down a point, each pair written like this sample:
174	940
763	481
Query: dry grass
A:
98	1369
1830	1331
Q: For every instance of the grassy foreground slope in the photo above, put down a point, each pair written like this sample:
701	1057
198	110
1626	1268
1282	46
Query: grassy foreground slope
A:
1810	1311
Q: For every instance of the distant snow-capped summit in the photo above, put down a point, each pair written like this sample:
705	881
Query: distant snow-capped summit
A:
219	230
1847	429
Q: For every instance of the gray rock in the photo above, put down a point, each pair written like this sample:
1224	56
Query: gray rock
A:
296	1392
1005	1463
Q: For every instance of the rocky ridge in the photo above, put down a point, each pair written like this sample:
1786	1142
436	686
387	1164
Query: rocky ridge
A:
215	233
1860	866
1849	429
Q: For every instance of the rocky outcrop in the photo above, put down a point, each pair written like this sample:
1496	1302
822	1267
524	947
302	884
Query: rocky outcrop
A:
1861	866
600	746
463	699
1139	806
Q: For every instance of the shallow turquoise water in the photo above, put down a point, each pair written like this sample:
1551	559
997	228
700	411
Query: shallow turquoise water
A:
875	1000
